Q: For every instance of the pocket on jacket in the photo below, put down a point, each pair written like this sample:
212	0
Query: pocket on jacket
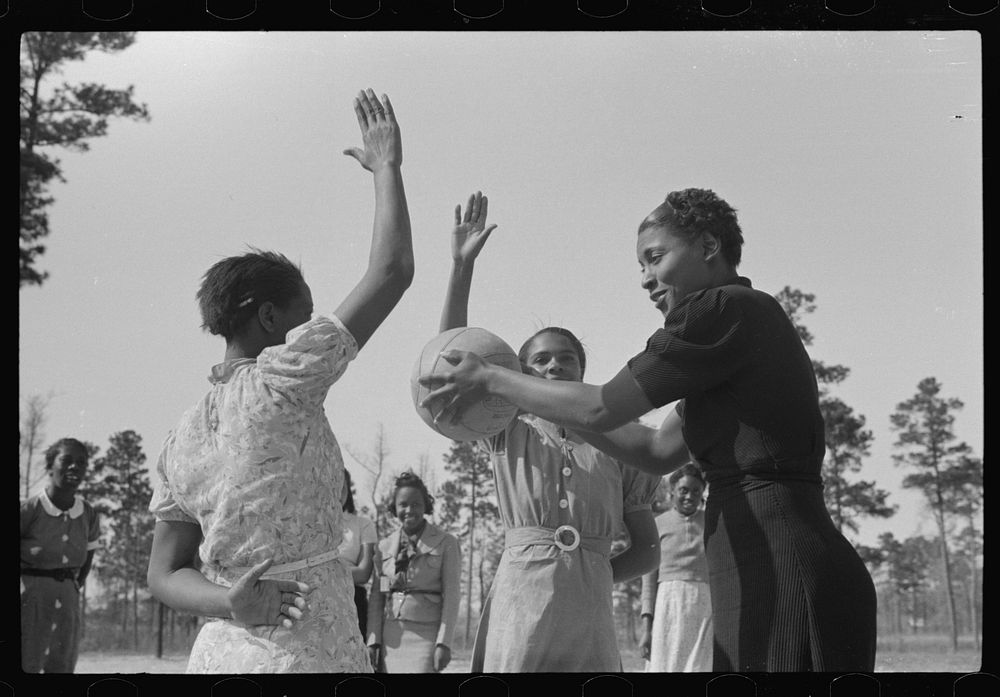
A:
420	607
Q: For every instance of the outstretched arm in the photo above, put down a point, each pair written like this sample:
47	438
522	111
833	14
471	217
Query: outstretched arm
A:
390	261
467	239
576	405
657	451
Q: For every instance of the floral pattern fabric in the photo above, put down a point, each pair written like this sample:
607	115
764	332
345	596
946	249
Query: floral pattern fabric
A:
256	465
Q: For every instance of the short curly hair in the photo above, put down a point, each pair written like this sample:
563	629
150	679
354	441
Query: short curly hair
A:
689	469
693	211
409	479
581	355
53	450
233	288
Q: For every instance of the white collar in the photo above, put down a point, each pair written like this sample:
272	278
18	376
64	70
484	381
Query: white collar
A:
75	511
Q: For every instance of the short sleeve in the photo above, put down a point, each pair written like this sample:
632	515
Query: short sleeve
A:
638	489
162	505
28	510
93	527
368	534
313	357
700	346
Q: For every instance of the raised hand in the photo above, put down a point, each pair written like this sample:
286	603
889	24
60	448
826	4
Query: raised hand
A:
379	132
470	233
256	601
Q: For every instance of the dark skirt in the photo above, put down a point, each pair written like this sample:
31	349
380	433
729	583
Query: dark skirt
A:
361	602
789	592
50	625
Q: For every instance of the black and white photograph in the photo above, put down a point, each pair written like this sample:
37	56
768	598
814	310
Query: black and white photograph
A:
501	352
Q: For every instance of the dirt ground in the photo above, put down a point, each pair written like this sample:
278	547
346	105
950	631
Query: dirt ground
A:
966	661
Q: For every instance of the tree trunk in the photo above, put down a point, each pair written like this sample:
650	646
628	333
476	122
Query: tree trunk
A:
472	548
947	578
159	630
123	608
135	615
974	577
898	597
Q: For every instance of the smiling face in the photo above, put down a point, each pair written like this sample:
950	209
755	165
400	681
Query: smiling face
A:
410	508
688	492
553	357
68	468
672	265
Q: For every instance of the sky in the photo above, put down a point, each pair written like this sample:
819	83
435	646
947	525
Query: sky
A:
854	160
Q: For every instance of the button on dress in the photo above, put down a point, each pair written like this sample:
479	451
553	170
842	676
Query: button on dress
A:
550	610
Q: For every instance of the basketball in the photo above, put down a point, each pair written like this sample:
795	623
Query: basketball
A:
480	420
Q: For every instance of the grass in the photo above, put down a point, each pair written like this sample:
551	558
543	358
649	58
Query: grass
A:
909	654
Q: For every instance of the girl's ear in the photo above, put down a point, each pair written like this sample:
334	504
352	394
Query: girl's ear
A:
265	315
711	246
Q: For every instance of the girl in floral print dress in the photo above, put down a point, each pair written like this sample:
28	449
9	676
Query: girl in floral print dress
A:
249	481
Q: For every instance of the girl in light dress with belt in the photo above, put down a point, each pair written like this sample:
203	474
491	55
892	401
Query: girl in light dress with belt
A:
416	588
562	501
249	482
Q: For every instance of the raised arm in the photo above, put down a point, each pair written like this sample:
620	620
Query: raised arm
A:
467	239
390	261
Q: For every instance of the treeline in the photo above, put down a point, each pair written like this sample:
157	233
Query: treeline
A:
925	584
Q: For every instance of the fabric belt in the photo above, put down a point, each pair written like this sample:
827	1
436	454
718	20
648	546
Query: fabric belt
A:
414	592
565	537
278	569
736	478
63	574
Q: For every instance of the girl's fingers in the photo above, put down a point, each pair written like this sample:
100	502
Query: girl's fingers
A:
476	205
482	209
289	586
434	396
254	574
359	111
468	209
458	215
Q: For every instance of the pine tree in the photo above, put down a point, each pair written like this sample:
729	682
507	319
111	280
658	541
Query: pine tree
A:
118	487
468	504
66	117
926	442
847	440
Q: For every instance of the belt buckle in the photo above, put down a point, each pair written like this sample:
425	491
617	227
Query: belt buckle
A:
557	537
